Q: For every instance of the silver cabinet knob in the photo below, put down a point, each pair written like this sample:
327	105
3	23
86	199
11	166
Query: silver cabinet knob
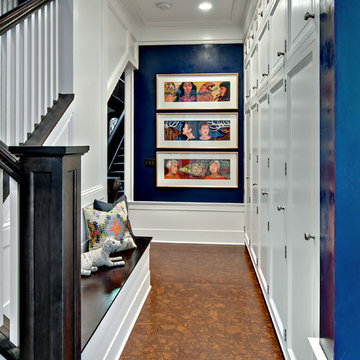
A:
308	16
265	193
254	184
248	177
308	236
280	53
279	207
254	87
261	13
264	74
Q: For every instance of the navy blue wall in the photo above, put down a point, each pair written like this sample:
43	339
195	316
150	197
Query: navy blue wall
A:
327	178
177	59
347	180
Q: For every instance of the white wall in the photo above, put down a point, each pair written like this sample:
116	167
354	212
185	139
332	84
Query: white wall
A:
103	45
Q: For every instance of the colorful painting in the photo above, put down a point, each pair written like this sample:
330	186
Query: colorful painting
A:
197	91
183	169
202	131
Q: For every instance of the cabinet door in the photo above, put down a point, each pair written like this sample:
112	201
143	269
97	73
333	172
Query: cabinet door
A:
255	239
303	202
264	55
298	23
248	175
277	34
278	206
254	70
264	160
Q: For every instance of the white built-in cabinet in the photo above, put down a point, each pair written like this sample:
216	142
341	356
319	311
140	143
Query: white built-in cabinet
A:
281	163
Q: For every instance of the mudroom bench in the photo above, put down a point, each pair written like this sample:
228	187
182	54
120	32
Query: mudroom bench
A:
111	300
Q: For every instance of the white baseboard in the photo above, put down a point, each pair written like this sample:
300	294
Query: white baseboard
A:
278	329
195	223
111	335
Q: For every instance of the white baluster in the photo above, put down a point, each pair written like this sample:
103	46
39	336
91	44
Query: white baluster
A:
40	64
14	265
52	24
19	84
56	49
35	115
46	54
26	89
9	89
2	85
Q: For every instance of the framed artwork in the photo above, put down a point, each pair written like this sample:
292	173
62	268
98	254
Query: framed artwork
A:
196	91
197	131
202	170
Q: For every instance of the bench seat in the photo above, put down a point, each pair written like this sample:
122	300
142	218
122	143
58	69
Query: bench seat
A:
111	300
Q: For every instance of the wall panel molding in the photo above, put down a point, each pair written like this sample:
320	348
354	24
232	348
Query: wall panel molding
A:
198	223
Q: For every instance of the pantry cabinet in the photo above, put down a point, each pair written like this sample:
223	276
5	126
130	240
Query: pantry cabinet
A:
282	167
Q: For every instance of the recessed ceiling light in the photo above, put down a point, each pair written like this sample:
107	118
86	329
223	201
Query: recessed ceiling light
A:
163	5
205	6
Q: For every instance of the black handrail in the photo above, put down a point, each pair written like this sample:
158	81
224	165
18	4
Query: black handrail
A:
20	13
9	163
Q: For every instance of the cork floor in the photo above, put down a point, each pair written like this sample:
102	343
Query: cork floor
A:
205	303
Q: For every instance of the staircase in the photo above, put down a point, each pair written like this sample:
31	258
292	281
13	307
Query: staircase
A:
30	108
116	138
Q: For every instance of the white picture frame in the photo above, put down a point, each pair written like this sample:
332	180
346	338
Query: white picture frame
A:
205	94
197	169
185	130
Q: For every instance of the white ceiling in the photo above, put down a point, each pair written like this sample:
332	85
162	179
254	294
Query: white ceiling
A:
186	14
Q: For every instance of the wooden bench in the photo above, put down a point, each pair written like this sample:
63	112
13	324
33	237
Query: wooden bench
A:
111	300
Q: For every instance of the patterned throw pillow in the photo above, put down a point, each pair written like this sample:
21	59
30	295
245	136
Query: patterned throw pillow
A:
104	206
102	224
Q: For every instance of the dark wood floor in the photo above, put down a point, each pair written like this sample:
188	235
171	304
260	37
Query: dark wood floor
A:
205	303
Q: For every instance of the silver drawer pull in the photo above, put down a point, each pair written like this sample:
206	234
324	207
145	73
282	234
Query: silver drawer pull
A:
279	207
265	193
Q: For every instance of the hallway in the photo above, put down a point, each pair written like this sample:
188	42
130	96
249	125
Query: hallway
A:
205	303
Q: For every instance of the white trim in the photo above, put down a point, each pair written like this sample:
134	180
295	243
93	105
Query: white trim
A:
317	349
129	132
109	339
194	236
186	206
196	223
88	195
272	314
240	40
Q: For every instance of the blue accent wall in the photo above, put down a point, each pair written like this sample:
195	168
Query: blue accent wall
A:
347	180
177	59
327	178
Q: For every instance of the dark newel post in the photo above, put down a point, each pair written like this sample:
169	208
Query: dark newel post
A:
50	252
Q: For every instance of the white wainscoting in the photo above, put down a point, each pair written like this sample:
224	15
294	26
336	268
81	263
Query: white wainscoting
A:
87	200
198	223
